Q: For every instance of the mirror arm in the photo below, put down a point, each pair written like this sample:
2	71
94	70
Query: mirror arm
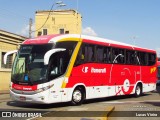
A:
6	55
50	52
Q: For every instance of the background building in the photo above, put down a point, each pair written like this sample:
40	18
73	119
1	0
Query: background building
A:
8	42
57	22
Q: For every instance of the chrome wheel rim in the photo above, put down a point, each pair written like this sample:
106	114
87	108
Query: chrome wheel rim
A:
138	90
77	96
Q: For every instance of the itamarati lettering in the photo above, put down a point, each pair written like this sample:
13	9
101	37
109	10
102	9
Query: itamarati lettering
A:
95	70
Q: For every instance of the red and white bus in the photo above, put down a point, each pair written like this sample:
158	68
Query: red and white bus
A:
62	68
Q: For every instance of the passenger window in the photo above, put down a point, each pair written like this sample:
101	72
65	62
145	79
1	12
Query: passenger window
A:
131	57
81	56
117	56
107	55
90	53
85	54
151	59
100	54
143	58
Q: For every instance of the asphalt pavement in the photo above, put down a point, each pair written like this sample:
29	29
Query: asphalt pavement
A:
83	112
146	107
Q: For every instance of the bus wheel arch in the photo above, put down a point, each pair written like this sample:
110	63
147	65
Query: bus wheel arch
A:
78	95
138	89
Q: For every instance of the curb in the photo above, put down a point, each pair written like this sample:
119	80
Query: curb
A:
109	110
105	116
4	92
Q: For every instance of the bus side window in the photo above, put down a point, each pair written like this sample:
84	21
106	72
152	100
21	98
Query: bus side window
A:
81	57
117	56
134	59
107	55
129	57
121	57
100	54
151	59
143	58
85	54
90	53
113	56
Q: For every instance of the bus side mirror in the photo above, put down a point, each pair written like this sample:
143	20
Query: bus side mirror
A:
51	52
114	61
7	54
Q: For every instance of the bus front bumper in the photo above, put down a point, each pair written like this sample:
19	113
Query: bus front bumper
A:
41	97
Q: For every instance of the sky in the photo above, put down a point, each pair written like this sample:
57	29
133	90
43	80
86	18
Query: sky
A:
130	21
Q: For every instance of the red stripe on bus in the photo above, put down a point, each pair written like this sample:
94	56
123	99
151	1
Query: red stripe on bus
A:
25	88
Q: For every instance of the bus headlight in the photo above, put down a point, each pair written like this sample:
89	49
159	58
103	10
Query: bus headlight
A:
44	88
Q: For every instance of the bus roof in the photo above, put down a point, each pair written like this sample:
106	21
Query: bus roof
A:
40	39
90	39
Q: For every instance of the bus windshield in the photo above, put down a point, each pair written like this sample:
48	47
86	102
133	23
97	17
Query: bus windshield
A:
29	63
29	68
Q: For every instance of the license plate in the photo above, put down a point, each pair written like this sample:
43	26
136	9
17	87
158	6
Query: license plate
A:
22	98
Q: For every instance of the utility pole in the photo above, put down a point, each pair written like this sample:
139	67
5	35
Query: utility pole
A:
30	27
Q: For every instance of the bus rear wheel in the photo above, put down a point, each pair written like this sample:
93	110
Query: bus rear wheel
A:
77	96
138	90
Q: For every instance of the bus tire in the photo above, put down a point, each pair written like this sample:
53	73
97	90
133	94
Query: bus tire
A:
77	96
138	90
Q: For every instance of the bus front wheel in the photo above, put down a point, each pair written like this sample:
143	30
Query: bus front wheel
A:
77	96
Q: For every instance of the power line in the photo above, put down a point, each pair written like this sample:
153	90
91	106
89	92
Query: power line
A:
60	3
45	20
10	12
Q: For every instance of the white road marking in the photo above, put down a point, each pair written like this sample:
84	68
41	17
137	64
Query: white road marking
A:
113	102
77	109
120	102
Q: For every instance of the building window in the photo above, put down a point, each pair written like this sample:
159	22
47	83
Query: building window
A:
9	61
61	31
39	33
44	31
66	32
